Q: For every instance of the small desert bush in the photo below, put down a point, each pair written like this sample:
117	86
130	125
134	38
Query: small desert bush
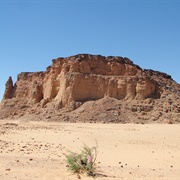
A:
83	162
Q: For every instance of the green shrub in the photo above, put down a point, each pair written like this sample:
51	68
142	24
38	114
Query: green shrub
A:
83	162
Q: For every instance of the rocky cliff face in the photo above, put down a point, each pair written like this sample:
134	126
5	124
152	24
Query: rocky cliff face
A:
92	88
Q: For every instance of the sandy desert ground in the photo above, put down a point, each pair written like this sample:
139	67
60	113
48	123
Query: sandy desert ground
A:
34	150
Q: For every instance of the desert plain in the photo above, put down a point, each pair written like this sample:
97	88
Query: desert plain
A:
35	150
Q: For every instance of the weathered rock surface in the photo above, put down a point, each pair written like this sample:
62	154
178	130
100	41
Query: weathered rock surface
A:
93	88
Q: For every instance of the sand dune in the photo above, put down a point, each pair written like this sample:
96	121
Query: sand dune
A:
34	150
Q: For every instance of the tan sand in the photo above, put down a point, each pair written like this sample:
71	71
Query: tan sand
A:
34	150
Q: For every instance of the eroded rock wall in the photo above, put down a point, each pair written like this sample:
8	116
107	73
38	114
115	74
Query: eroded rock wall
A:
70	82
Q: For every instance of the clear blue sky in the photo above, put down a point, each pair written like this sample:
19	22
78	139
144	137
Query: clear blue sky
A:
33	32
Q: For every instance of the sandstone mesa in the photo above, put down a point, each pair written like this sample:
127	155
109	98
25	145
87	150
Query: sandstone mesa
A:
93	88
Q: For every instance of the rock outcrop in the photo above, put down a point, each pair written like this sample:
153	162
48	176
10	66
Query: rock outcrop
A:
93	88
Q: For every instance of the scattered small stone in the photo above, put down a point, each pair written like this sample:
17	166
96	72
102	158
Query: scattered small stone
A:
8	169
121	166
78	176
30	159
171	166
